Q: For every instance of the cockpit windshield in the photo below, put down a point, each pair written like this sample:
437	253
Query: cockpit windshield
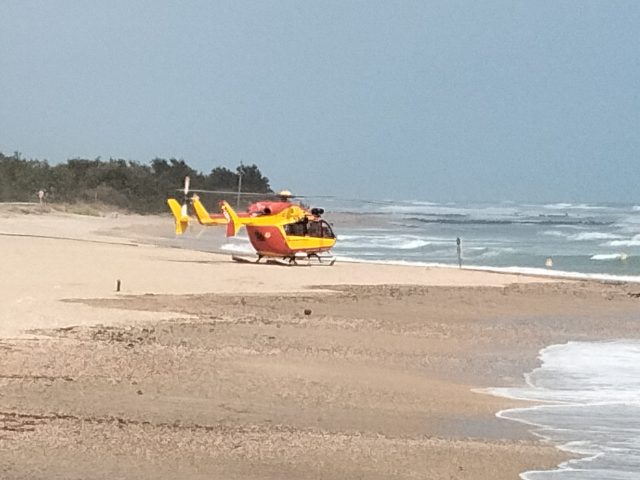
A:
327	232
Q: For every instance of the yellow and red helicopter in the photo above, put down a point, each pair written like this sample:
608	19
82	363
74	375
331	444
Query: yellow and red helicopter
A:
278	230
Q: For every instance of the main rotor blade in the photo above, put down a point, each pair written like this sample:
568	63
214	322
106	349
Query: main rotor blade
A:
313	196
227	192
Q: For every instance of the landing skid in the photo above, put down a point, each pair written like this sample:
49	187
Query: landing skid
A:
239	259
326	260
299	261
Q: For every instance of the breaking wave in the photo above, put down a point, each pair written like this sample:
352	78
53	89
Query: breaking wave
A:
610	256
585	236
591	391
399	242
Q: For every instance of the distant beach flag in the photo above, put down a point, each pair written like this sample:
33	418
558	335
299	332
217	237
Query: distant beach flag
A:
548	262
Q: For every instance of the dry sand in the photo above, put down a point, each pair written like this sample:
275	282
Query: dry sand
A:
203	368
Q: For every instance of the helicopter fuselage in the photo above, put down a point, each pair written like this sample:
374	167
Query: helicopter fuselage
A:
312	237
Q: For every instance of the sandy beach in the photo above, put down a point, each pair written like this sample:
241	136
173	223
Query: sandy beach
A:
200	367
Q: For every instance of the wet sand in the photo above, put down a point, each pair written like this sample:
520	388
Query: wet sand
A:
201	368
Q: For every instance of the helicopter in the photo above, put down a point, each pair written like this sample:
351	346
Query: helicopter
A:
280	231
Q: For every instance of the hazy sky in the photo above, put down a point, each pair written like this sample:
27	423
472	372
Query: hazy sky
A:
447	100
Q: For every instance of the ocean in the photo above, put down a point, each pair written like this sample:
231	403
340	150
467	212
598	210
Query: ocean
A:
590	392
602	239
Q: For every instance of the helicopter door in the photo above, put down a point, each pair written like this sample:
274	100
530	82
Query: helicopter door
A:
298	229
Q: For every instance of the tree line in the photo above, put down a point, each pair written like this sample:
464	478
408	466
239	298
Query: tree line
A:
138	187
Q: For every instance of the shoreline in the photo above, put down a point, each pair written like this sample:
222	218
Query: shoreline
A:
242	383
577	393
155	230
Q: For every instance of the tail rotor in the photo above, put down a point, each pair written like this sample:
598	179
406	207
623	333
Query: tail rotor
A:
185	200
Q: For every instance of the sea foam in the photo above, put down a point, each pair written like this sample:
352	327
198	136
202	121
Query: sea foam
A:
585	236
610	256
591	395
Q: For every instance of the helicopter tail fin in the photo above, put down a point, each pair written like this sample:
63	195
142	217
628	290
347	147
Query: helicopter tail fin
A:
180	214
234	222
201	213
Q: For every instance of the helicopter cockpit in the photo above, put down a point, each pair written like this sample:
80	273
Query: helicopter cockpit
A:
310	228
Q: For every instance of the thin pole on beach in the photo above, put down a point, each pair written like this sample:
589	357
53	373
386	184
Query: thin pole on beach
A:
240	171
41	195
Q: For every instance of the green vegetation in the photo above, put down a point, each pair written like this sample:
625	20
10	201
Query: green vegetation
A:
120	183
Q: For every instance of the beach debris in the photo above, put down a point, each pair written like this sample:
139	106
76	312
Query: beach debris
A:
307	311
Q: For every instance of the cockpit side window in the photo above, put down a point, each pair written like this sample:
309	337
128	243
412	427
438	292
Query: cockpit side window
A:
315	229
297	229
